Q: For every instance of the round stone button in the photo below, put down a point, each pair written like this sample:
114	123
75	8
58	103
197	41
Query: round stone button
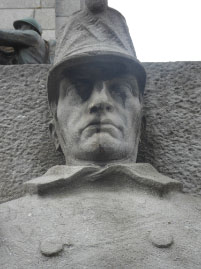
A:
161	239
51	247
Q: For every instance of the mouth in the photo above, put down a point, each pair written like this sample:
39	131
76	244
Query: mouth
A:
101	125
102	128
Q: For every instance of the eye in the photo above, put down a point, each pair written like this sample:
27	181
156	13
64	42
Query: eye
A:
84	88
120	90
128	87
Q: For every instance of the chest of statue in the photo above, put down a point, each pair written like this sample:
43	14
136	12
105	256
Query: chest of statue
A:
101	225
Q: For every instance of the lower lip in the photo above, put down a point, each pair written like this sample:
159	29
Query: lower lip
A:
101	127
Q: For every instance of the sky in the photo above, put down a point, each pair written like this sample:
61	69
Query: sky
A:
163	30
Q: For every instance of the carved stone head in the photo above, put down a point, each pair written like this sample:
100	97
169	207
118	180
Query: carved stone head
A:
95	89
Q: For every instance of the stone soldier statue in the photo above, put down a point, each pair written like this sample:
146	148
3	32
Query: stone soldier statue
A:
29	46
101	209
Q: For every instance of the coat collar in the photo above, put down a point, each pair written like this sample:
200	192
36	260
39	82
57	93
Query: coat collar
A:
140	174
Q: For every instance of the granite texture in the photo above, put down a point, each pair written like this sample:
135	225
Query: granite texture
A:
49	35
13	4
60	22
66	8
171	142
101	226
48	3
46	17
8	16
26	150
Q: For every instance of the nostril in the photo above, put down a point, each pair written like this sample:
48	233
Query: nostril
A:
101	107
94	109
109	108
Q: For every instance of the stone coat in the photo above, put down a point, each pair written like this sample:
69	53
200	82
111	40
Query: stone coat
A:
114	217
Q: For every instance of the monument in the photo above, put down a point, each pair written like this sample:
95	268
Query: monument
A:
101	209
24	45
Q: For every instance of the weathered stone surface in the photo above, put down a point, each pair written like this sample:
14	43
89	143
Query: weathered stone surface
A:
87	38
26	150
46	17
172	110
101	226
51	247
20	3
140	174
60	22
48	3
66	8
171	142
48	34
8	16
161	238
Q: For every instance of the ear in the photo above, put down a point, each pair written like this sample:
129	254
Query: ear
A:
54	136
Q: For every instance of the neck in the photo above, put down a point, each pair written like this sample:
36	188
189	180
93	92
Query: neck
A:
78	162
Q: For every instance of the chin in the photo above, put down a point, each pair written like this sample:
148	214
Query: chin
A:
104	148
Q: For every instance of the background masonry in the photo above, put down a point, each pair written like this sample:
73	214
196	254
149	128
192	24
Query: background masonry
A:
171	142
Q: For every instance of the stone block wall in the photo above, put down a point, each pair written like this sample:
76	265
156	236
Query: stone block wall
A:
51	14
42	10
64	8
171	141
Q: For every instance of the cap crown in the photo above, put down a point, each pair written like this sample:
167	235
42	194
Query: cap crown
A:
89	31
96	33
31	22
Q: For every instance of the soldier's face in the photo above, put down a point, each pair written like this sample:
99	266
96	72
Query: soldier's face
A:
98	116
24	26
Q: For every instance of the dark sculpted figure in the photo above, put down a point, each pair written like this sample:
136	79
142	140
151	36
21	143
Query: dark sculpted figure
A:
27	43
101	209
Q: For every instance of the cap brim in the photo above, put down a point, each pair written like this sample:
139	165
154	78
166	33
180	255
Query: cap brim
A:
132	65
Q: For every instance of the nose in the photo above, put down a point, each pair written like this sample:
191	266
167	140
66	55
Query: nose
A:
100	100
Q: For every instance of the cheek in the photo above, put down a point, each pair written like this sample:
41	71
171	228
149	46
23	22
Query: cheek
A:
69	115
63	114
134	109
